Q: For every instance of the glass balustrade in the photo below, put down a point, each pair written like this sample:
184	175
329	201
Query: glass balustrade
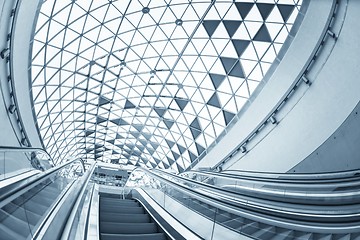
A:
15	161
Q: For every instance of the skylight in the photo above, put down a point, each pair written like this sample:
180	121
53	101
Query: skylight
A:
149	83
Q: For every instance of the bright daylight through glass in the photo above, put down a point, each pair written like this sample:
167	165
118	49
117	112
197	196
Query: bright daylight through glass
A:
149	83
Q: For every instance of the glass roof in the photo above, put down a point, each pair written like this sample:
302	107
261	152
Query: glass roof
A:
149	83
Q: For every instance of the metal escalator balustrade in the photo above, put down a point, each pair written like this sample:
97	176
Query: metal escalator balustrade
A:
256	216
126	219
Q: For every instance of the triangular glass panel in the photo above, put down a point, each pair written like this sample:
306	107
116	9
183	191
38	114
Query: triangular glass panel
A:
244	8
103	100
129	105
237	71
216	79
263	34
228	116
196	124
138	127
168	123
181	148
119	121
100	119
228	63
195	133
88	132
87	150
169	143
265	9
192	156
97	146
160	111
181	103
210	26
118	136
285	10
154	145
231	26
240	46
180	169
199	148
214	101
176	155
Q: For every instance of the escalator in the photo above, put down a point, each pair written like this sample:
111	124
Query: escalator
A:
56	204
19	217
126	219
61	202
311	207
37	202
234	222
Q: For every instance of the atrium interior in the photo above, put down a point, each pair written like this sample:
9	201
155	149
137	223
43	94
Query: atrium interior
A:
179	119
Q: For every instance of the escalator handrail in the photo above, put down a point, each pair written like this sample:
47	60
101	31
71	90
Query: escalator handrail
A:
65	203
283	195
71	217
19	149
27	150
250	211
313	182
256	211
24	149
62	213
285	176
17	188
255	204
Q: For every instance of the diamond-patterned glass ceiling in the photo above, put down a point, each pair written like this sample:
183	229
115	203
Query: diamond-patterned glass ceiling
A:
149	83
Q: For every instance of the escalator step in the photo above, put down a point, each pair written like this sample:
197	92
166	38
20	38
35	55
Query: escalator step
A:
128	228
49	193
285	234
152	236
43	199
8	234
124	218
222	218
111	195
302	235
20	213
114	201
121	209
15	224
250	228
234	223
32	206
265	233
49	190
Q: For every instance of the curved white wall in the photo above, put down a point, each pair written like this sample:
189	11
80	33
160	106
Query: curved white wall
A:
21	59
21	37
313	113
9	134
340	151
